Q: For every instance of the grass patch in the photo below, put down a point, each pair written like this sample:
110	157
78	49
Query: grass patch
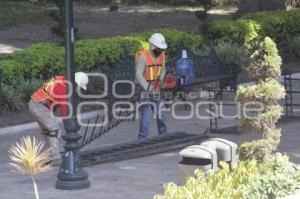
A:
14	13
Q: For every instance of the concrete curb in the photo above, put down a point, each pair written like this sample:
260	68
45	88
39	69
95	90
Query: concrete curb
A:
19	129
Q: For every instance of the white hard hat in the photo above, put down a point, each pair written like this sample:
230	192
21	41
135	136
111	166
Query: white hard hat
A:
158	40
81	79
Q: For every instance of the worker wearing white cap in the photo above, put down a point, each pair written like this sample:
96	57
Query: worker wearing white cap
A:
150	72
52	95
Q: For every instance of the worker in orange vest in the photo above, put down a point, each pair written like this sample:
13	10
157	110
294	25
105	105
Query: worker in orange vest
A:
149	72
53	95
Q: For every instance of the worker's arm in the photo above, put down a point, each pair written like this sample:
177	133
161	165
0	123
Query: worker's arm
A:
140	67
162	75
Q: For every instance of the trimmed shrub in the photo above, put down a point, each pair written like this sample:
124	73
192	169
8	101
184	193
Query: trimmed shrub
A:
232	54
247	180
265	69
44	60
278	25
241	31
38	61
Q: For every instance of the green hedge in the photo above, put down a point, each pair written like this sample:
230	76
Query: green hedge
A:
43	60
275	178
278	25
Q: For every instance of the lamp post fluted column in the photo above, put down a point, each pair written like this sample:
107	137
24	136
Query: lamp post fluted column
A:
71	176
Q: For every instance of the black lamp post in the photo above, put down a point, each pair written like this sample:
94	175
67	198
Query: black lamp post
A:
71	176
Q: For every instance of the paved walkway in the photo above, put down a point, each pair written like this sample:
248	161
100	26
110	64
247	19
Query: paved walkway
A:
136	178
139	178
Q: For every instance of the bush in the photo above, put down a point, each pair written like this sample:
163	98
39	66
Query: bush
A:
44	60
278	178
221	184
278	25
248	180
275	24
265	69
26	88
9	99
265	62
294	45
241	32
232	54
12	98
38	61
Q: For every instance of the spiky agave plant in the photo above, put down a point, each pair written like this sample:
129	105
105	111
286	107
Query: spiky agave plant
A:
30	157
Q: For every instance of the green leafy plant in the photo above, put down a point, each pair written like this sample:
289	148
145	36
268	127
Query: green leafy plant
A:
9	99
247	180
221	184
26	89
264	68
275	24
278	178
230	53
241	32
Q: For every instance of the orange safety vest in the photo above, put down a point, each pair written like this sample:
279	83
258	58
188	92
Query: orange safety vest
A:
46	91
153	70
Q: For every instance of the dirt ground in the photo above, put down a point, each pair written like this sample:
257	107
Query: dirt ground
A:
97	22
15	118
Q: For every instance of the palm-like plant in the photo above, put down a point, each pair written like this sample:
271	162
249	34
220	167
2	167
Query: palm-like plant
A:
30	157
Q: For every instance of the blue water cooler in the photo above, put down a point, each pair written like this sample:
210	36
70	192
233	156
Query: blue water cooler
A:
185	69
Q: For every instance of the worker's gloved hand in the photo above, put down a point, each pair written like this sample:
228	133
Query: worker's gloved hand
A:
151	88
155	95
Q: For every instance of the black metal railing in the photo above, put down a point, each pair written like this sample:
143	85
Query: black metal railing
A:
209	69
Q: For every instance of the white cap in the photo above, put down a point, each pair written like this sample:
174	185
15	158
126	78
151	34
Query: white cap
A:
81	79
158	40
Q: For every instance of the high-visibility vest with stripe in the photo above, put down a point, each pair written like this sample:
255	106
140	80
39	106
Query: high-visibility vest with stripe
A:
46	91
153	68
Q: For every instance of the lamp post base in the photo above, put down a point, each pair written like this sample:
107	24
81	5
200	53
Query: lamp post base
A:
78	180
72	185
71	176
